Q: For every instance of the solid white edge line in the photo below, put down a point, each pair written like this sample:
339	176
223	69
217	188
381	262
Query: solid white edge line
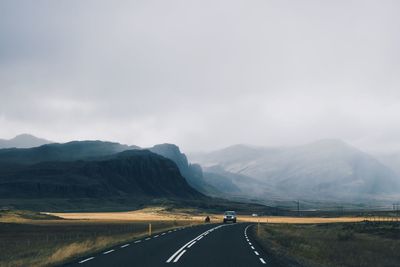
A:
262	261
112	250
183	247
194	242
179	256
85	260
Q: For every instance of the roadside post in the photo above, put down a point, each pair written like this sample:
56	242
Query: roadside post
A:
149	229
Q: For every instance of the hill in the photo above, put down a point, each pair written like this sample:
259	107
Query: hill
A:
70	151
327	170
192	172
23	141
132	173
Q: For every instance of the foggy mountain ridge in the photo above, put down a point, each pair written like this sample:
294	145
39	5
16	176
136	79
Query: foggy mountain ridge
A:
23	141
94	150
128	174
326	170
192	172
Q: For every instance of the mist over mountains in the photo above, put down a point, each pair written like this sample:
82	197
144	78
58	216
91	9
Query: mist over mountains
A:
327	171
23	141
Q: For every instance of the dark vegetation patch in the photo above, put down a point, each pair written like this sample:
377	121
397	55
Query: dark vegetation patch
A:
340	244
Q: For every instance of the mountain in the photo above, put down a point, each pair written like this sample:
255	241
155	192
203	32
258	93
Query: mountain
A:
192	172
327	170
392	160
70	151
133	173
23	141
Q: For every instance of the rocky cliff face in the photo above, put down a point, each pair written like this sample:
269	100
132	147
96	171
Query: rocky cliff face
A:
132	173
192	172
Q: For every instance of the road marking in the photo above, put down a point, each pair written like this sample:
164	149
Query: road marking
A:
163	234
155	236
252	247
138	241
108	252
180	255
194	242
147	238
88	259
124	246
169	231
180	252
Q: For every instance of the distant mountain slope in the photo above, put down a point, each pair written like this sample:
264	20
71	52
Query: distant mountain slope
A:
61	152
134	173
324	170
192	172
23	141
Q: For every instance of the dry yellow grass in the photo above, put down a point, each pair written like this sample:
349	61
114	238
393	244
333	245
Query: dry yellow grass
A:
147	214
161	214
299	220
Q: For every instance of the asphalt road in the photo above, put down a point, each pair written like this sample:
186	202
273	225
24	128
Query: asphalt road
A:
208	245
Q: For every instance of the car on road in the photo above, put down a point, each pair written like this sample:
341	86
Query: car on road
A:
230	216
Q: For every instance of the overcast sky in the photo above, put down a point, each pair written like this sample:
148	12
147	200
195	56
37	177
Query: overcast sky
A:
202	74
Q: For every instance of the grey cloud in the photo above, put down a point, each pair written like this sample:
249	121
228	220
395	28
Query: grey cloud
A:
202	74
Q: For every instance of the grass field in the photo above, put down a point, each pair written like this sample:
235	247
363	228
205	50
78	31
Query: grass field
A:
367	244
160	213
44	239
32	239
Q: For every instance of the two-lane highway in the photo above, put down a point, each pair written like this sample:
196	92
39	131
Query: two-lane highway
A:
205	245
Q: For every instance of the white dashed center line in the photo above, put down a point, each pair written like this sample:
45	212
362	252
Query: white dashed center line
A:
251	245
88	259
112	250
124	246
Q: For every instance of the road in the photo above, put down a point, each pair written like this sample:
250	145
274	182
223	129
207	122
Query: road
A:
208	245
